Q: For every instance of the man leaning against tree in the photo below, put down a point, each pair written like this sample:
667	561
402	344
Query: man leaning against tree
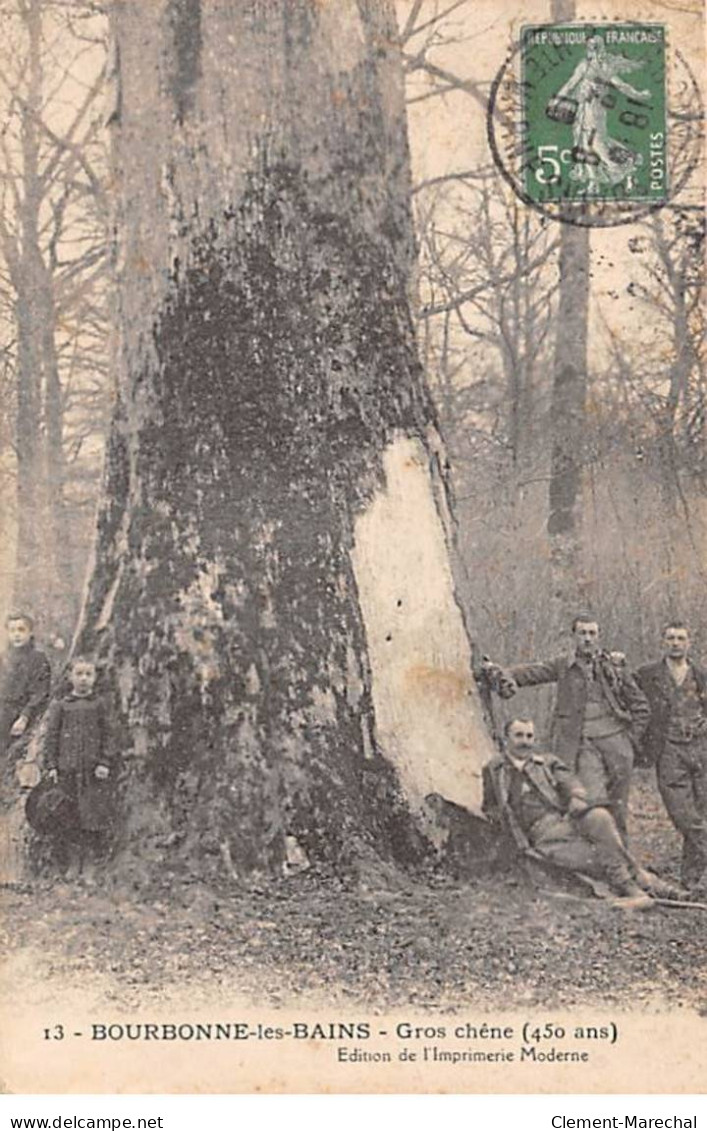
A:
676	740
600	711
545	807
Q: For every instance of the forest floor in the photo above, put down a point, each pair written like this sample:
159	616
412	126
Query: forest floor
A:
380	945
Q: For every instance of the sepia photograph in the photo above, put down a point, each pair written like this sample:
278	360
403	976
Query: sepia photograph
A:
353	486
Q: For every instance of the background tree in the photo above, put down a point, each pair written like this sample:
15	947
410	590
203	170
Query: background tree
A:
53	217
568	413
600	391
488	276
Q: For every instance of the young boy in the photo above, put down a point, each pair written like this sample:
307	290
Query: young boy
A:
26	676
78	753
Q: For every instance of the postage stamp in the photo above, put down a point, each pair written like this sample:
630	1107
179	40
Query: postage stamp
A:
594	112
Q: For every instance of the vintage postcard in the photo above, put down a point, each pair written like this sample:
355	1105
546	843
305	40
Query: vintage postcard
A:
354	495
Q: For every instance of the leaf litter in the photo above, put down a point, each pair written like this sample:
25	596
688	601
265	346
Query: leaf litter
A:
430	941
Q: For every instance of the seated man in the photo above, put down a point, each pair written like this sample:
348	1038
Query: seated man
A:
546	808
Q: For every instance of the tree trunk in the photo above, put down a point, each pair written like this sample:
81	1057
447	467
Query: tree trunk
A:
272	589
27	576
28	580
63	590
44	581
568	411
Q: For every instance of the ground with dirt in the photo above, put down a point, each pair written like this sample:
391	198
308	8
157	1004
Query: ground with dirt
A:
380	944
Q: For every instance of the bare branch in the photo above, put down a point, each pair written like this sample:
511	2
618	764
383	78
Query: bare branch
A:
410	22
66	142
410	31
467	86
463	175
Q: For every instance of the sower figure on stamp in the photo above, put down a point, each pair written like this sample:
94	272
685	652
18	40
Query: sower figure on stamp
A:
543	801
24	693
676	740
599	712
597	158
79	754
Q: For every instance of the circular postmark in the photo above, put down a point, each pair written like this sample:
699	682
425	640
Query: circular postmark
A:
595	124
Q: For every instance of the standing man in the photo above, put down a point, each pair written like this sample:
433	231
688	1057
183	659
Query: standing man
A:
599	712
676	739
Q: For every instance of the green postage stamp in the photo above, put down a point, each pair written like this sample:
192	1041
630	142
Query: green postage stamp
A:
594	121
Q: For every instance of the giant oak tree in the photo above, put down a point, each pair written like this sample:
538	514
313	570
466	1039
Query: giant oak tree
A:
273	590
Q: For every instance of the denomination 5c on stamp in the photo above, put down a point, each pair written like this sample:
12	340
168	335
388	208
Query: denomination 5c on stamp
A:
594	113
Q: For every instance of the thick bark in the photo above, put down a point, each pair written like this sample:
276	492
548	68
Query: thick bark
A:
271	605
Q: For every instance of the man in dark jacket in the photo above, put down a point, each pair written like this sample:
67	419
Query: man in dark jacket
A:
24	682
547	809
676	740
599	711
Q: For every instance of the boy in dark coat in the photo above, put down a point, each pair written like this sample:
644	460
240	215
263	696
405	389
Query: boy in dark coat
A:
24	683
78	753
